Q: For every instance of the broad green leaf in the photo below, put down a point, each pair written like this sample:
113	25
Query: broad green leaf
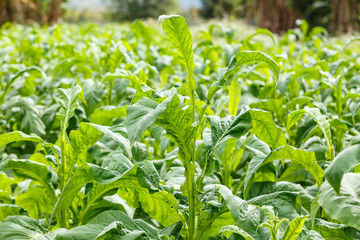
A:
230	126
106	185
35	201
144	113
80	141
294	173
321	122
31	121
161	206
180	35
114	138
214	226
25	228
104	116
246	216
11	137
31	170
177	123
64	67
265	128
108	223
345	207
234	96
294	229
254	144
343	163
262	31
17	75
149	176
123	74
237	230
314	209
68	100
81	176
304	158
9	210
286	204
330	230
249	56
226	153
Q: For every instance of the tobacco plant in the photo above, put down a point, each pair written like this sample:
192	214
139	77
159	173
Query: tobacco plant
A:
128	132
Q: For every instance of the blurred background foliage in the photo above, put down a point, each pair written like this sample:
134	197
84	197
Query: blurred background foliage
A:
338	16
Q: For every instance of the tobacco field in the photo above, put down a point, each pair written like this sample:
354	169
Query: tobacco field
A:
139	132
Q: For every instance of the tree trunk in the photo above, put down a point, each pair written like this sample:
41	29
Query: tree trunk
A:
344	16
275	15
7	11
54	15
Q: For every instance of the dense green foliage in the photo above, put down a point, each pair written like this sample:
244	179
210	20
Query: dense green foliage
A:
127	132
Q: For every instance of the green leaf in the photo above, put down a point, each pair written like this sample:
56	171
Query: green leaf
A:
11	137
237	230
345	207
144	113
31	121
304	158
81	176
177	123
105	115
262	31
294	229
331	230
180	35
118	163
17	75
265	128
31	170
8	210
35	201
286	204
81	140
214	226
249	56
110	224
314	209
343	163
246	216
161	206
254	144
321	122
226	153
116	138
68	100
25	228
230	126
123	74
234	96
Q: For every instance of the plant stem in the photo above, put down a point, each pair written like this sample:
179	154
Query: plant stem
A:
62	173
192	203
209	222
111	85
191	170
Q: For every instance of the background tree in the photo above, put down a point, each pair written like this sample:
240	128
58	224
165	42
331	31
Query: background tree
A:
141	9
222	8
345	15
281	15
276	15
24	11
54	14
